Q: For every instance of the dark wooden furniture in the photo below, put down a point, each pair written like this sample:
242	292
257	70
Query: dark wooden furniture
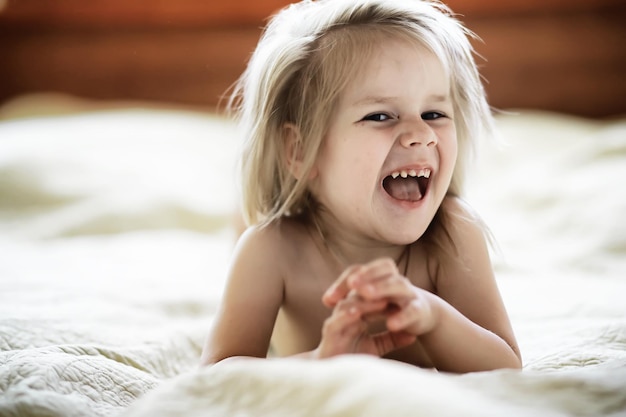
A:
561	55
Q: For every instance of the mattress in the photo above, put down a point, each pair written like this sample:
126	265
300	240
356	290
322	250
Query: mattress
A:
116	228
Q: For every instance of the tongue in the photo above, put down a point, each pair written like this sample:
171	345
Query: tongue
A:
406	189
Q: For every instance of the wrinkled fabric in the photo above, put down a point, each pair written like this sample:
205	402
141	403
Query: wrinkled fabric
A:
115	238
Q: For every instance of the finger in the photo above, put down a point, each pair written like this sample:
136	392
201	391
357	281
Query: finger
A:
380	315
376	270
367	309
416	318
362	307
339	289
341	319
396	289
389	341
370	312
339	332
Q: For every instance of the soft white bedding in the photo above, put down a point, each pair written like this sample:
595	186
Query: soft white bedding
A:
115	237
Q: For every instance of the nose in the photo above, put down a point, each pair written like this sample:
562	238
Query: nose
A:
416	133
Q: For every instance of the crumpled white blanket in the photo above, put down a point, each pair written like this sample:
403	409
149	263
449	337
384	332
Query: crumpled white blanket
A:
369	387
115	237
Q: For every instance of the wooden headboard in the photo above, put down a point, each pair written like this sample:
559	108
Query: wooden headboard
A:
561	55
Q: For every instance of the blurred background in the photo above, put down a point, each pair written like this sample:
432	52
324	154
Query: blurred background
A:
119	184
559	55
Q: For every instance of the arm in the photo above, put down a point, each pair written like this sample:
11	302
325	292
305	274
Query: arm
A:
253	295
474	331
457	344
465	326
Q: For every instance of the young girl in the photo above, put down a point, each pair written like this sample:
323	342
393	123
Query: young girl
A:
359	117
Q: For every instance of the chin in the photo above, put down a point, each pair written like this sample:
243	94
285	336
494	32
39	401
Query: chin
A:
407	237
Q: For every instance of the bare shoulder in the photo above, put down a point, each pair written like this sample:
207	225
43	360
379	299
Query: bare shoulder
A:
270	246
461	213
464	254
252	296
261	239
466	279
277	232
469	284
467	231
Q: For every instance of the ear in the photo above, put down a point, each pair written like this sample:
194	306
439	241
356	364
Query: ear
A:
293	152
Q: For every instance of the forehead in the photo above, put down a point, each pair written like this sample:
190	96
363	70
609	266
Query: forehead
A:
397	67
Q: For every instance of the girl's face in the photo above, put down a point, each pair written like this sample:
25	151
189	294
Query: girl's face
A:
387	160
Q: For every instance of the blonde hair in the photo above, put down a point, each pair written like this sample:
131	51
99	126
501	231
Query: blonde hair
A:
306	56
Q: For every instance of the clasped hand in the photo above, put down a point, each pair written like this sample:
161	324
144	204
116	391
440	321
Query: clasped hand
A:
372	292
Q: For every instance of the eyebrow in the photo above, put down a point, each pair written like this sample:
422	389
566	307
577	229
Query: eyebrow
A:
373	100
439	98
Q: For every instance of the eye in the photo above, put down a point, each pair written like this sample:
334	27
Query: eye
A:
432	115
377	117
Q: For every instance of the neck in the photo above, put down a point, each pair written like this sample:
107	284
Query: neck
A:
348	248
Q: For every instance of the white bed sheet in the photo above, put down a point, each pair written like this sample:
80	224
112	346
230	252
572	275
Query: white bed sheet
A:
115	236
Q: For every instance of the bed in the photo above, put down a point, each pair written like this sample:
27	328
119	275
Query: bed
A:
115	244
116	228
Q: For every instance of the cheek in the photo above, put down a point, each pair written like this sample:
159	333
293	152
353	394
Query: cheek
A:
352	160
347	176
450	149
366	164
332	173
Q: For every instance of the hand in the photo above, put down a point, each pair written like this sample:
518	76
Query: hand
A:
408	308
346	330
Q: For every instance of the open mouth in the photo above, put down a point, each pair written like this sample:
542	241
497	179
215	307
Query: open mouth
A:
408	185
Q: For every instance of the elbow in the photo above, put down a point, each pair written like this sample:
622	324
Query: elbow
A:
212	358
518	363
515	364
206	360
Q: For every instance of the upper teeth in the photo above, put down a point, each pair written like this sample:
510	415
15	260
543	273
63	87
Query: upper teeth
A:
424	172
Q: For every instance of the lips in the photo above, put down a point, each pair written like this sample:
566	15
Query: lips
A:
407	185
